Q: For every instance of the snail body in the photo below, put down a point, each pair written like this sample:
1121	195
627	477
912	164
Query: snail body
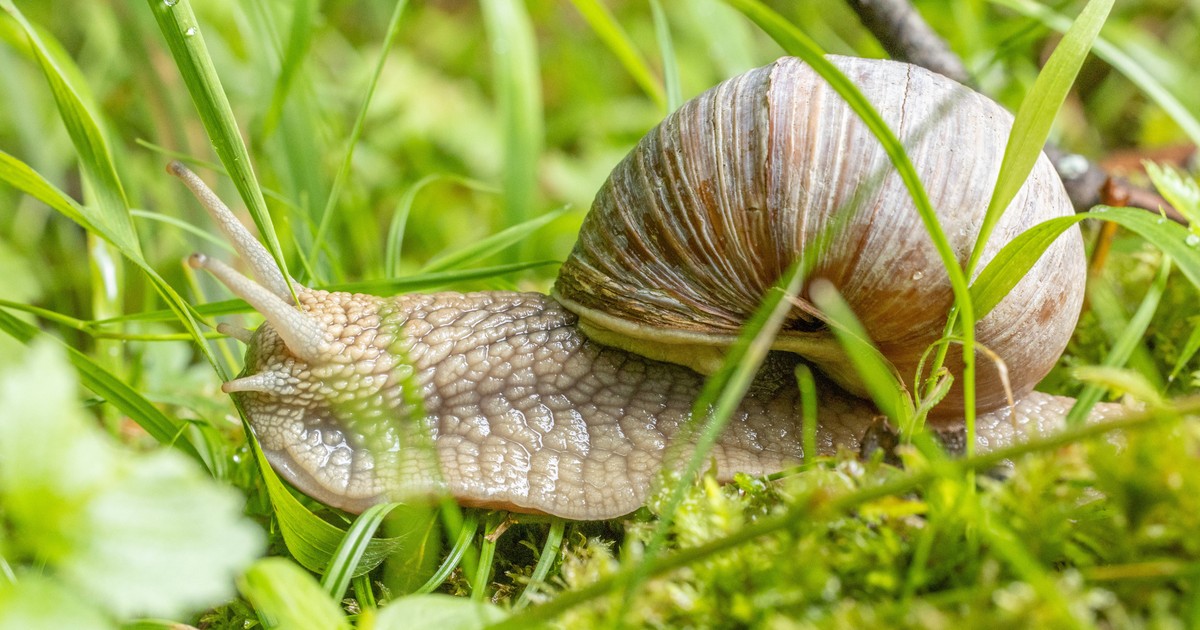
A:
568	404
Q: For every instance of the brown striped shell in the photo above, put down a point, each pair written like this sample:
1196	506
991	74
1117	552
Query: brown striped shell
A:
709	209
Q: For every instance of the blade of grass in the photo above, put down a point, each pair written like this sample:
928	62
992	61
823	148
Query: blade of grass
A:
1124	346
493	244
662	28
610	32
356	131
466	534
808	404
182	34
399	222
299	39
876	373
342	565
1126	65
1031	126
76	110
518	92
537	579
1014	260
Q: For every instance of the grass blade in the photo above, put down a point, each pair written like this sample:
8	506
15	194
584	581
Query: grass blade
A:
1015	259
182	33
1032	124
1124	346
518	90
666	47
610	32
554	540
341	568
466	534
492	244
95	159
360	120
876	373
1126	65
399	222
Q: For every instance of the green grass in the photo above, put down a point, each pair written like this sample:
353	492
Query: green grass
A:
391	146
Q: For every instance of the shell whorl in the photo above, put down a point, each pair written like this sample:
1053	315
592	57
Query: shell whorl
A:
708	210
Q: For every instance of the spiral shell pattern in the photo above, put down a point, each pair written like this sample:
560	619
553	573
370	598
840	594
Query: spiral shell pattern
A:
712	206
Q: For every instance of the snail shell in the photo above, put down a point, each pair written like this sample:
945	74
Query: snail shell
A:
711	207
565	405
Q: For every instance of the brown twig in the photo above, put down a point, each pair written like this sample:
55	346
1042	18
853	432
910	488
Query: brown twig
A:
906	36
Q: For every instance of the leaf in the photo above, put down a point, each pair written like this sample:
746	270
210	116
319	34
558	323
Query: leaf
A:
164	429
289	598
437	612
38	603
137	534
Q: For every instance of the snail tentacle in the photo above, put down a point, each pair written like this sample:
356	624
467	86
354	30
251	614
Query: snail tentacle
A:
302	335
243	241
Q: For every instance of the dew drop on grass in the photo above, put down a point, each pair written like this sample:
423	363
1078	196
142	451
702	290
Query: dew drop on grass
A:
1192	240
192	30
170	3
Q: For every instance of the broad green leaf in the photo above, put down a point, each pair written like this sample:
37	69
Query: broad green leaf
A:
137	534
1036	115
38	603
164	429
289	598
609	30
518	93
436	612
182	33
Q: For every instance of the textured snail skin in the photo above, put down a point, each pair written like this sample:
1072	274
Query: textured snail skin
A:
522	411
503	400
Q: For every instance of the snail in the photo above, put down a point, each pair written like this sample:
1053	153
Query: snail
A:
565	404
